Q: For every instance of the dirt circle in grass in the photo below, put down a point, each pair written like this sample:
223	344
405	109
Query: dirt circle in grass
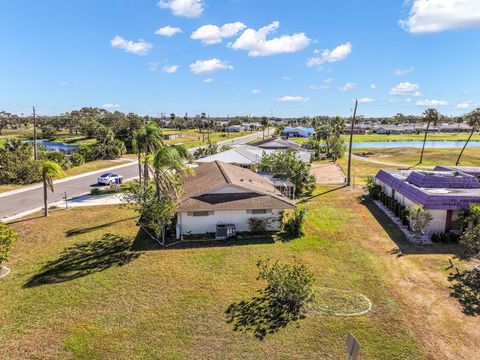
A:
4	271
338	302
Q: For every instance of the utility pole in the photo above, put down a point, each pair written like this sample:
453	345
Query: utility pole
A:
350	147
35	156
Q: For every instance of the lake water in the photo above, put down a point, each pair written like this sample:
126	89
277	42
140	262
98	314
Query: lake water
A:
57	146
416	144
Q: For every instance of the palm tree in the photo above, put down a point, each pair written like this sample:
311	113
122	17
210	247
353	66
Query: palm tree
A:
430	116
136	142
473	120
49	171
148	140
264	122
169	162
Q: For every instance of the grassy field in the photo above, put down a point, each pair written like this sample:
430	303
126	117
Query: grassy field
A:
89	288
462	136
193	138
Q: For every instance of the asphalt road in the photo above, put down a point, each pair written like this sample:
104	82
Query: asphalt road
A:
24	201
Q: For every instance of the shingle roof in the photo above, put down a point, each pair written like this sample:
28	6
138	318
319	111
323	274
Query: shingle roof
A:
258	193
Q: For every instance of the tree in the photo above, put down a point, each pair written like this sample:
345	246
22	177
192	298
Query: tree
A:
470	239
148	140
286	165
17	165
430	116
7	237
49	171
419	220
264	122
169	164
473	120
289	285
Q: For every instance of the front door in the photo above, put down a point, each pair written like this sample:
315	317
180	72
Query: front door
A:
448	221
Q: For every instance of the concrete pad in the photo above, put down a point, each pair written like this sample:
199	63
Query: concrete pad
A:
327	173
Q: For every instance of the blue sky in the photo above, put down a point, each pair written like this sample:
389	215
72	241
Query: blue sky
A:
311	58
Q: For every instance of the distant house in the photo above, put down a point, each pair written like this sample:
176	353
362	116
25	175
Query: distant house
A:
220	195
246	156
298	131
445	194
394	129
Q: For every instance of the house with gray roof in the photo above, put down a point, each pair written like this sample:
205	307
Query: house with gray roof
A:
221	194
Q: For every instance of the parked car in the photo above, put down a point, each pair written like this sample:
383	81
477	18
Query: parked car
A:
109	179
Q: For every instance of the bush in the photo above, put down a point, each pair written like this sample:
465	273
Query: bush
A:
290	285
77	159
17	165
372	188
292	225
435	237
95	191
7	237
259	226
58	157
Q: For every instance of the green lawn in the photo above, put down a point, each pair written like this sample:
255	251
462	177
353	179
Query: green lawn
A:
101	299
401	137
193	138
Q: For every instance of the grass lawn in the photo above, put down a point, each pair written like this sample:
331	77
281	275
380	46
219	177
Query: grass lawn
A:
462	136
193	138
88	288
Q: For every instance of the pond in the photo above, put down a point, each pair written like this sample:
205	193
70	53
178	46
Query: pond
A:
57	146
416	144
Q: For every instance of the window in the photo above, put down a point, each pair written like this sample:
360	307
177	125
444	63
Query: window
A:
258	211
200	213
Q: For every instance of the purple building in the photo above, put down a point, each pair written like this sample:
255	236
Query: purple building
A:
445	194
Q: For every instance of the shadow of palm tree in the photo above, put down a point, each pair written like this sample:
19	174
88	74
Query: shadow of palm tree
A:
466	289
262	315
86	258
74	232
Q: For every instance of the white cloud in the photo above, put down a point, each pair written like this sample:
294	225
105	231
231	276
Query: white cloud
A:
347	87
365	100
426	102
323	86
138	48
316	51
186	8
110	106
170	69
256	43
373	86
337	54
285	99
168	31
208	81
400	72
213	34
464	105
429	16
287	78
256	91
405	88
209	66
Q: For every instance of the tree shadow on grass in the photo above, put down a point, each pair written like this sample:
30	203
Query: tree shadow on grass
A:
466	289
84	259
74	232
261	315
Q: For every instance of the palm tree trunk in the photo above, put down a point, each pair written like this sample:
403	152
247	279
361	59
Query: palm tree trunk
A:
424	140
139	168
45	196
464	146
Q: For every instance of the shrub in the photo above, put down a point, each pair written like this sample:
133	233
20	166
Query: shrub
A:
7	237
17	165
77	159
290	285
292	225
58	157
259	226
419	220
435	237
372	188
95	191
470	239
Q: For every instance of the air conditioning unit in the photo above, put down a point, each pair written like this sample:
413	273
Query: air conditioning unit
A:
225	231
